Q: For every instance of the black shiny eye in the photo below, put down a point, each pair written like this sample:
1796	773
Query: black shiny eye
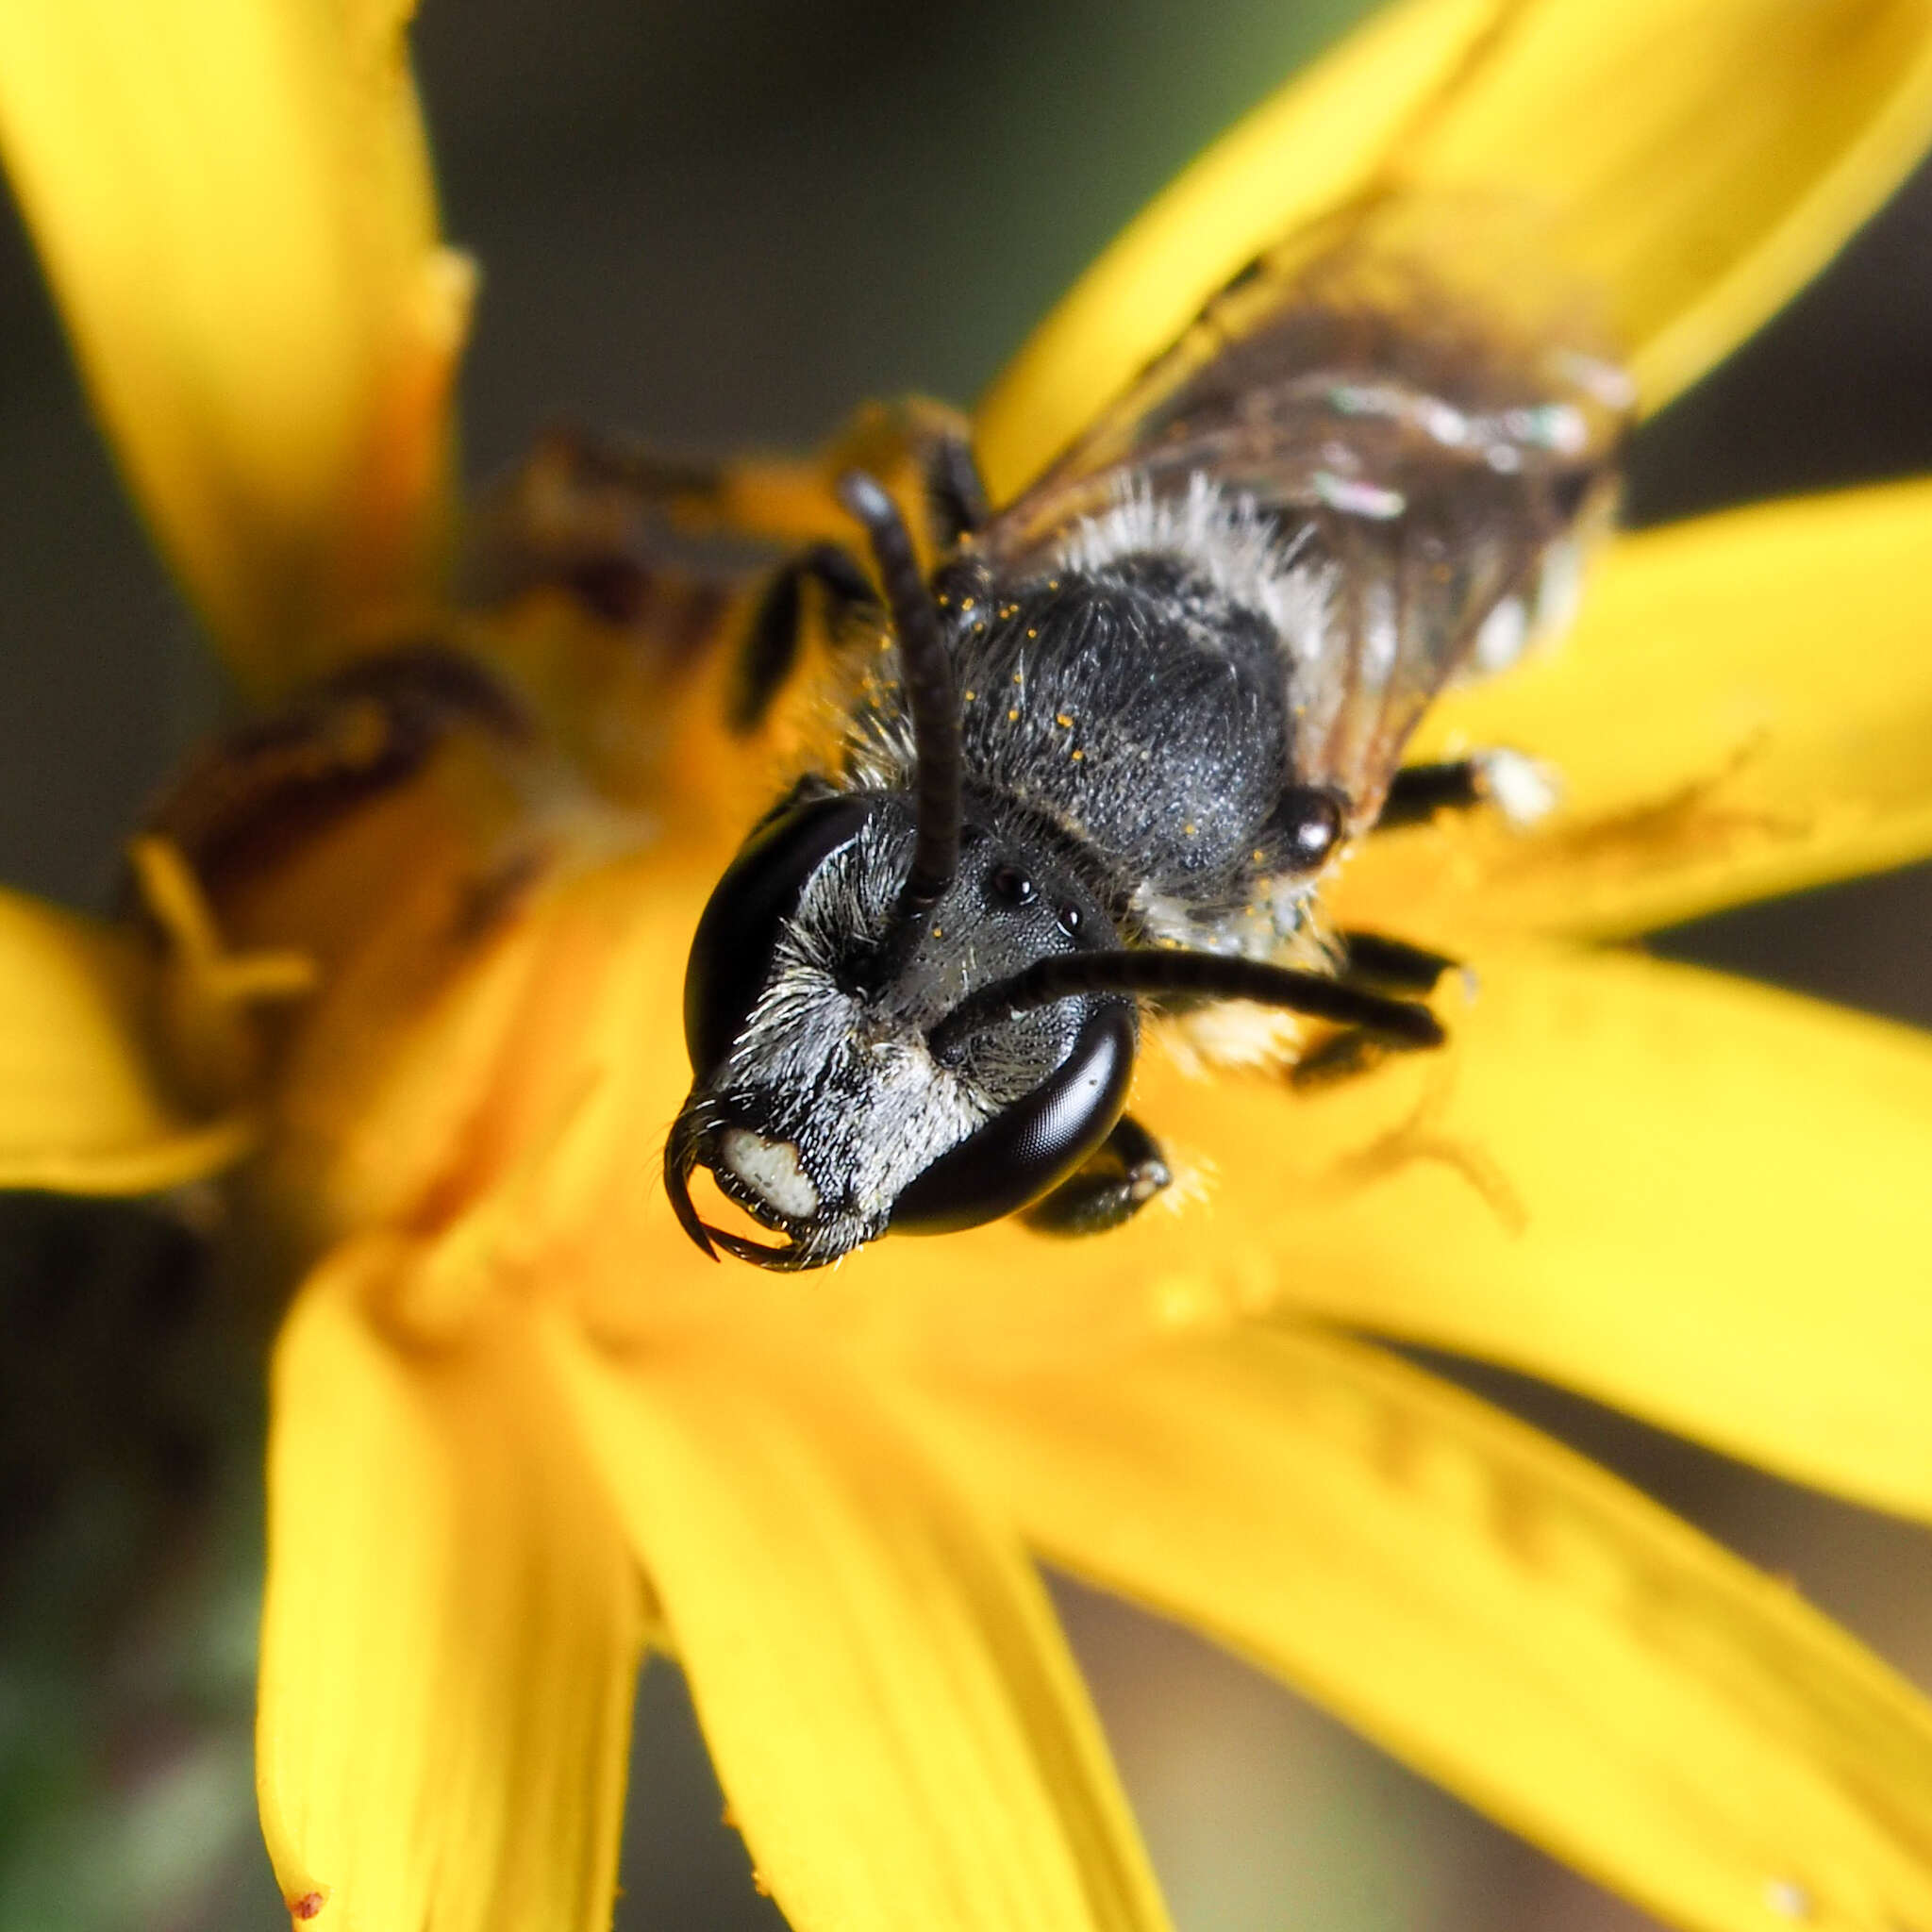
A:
1036	1143
1070	919
1312	819
731	951
1010	883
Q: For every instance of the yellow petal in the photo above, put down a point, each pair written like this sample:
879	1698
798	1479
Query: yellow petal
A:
896	1722
1745	707
232	199
1703	162
82	1109
1697	164
1305	150
1690	1197
1506	1616
451	1635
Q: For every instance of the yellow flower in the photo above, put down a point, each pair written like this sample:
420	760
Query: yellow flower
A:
520	1429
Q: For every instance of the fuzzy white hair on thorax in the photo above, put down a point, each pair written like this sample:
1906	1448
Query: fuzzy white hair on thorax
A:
1224	538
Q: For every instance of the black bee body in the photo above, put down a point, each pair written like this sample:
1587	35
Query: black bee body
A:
1143	716
1108	749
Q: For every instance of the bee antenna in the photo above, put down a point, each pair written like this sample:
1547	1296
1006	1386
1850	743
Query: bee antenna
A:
1213	975
931	694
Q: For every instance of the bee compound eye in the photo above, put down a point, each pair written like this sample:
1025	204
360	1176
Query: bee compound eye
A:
1035	1143
731	953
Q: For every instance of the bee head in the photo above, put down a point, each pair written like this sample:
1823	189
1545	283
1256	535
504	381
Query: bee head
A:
836	1096
904	1016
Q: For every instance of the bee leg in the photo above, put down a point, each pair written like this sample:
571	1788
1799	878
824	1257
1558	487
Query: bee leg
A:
571	480
771	642
1393	965
1376	964
1346	1054
1516	786
954	491
270	787
1110	1188
1417	792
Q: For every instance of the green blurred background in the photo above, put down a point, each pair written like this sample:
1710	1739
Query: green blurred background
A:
714	223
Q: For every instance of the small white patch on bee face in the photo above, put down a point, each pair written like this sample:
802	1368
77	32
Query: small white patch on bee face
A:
771	1170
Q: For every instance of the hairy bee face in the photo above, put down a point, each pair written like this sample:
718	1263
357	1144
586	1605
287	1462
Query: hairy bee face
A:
820	1103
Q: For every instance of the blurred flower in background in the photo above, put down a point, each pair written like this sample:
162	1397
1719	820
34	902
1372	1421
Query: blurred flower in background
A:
89	1855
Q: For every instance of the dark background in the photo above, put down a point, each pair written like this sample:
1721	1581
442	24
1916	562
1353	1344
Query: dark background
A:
713	224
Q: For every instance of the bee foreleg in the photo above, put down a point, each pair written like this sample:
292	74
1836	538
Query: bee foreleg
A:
771	642
1372	962
1519	786
1111	1187
1417	792
1343	1056
1376	960
1376	964
954	491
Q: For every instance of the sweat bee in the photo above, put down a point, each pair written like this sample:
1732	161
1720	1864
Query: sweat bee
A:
1127	723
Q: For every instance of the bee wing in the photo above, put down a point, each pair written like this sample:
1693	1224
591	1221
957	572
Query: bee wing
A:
1392	426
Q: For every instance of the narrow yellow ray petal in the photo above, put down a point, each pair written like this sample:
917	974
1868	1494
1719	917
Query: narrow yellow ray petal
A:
1506	1616
451	1635
898	1727
1702	162
233	202
1745	707
82	1110
1697	164
1688	1196
1307	149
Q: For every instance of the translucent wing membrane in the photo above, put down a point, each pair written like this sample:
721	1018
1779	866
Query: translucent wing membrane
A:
1394	466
